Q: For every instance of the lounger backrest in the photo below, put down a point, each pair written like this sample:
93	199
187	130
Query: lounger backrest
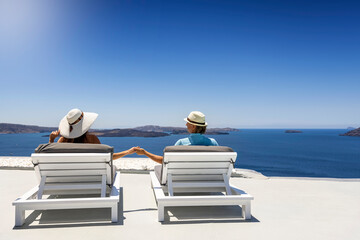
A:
197	163
73	162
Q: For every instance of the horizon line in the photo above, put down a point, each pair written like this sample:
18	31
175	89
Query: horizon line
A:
239	128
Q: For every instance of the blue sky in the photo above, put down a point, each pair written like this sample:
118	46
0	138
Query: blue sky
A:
246	64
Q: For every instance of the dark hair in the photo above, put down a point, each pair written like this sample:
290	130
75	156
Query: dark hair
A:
80	139
200	129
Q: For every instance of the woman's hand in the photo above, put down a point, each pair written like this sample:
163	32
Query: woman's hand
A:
140	151
132	150
53	135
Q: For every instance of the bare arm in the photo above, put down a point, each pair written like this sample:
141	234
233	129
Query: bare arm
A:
62	140
123	153
156	158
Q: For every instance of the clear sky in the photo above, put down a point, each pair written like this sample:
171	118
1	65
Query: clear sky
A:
246	64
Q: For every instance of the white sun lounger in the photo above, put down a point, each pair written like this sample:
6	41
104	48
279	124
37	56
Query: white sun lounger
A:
196	169
72	169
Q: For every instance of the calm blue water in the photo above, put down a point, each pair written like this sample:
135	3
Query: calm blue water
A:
313	153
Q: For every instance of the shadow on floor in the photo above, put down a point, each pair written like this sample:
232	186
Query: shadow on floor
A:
73	217
141	210
205	214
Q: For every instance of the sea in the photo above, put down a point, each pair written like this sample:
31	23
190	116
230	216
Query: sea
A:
318	153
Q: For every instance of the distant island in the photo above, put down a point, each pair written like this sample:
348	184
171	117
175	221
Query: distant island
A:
180	130
127	133
293	131
352	133
8	128
143	131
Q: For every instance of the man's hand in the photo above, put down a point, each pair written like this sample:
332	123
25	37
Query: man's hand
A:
140	151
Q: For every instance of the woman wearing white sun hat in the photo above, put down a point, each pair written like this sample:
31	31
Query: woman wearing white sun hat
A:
74	128
196	126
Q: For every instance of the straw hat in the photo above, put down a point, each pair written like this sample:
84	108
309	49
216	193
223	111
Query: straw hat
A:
196	118
76	123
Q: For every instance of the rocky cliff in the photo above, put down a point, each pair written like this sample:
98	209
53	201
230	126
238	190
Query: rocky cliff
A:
8	128
352	133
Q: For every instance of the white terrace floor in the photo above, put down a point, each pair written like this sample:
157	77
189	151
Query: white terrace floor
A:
283	209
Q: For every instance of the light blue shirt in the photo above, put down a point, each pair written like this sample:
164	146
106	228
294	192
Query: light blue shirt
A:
197	139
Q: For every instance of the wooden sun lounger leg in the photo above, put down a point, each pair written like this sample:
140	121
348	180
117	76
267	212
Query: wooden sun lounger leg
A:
115	191
246	210
159	195
41	187
114	213
19	210
19	216
161	212
103	185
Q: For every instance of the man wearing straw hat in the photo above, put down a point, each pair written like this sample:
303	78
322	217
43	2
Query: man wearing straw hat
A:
196	126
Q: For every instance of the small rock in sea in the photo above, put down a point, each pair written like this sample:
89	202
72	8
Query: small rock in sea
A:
293	131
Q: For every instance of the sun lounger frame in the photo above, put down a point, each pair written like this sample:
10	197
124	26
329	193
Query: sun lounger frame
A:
71	173
198	172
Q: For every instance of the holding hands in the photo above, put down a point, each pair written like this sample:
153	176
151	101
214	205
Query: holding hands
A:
131	150
139	151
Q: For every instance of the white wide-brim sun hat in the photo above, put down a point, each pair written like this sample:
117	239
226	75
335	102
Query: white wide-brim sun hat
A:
196	118
78	128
